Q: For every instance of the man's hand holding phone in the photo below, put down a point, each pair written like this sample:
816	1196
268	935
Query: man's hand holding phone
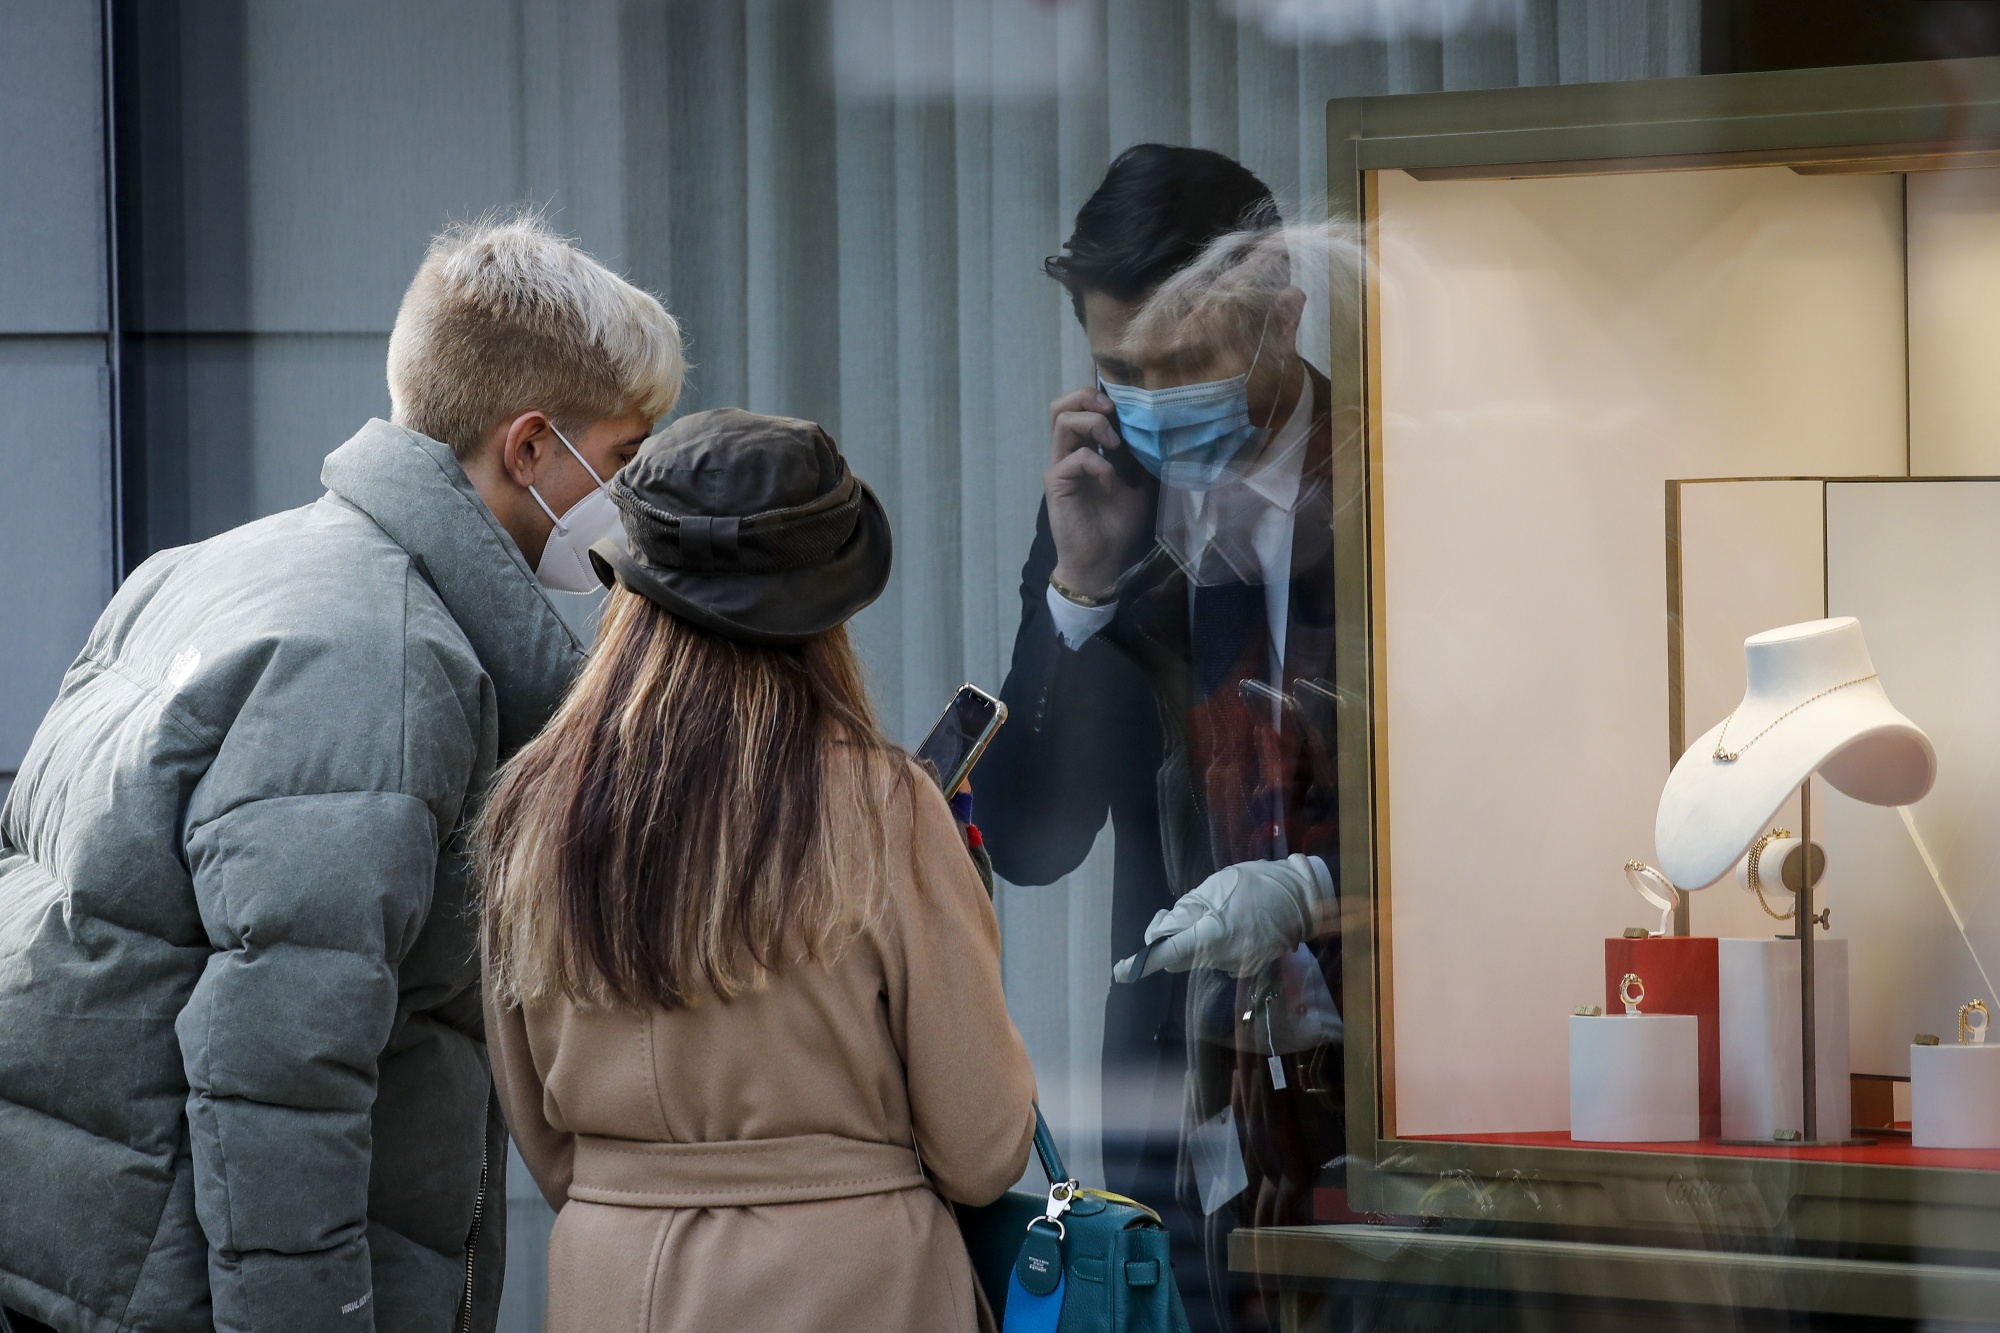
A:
1098	496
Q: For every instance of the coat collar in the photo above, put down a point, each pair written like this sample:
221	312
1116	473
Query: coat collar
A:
416	492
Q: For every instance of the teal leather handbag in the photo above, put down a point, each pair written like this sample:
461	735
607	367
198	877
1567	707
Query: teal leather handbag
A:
1077	1261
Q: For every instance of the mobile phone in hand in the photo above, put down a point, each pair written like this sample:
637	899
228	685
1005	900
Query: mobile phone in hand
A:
961	735
1123	461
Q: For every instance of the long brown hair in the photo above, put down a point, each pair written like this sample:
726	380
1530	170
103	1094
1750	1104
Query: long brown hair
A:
675	828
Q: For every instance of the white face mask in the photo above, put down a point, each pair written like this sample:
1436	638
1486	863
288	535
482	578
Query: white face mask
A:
565	563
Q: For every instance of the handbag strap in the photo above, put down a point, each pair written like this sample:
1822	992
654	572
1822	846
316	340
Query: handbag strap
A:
1045	1148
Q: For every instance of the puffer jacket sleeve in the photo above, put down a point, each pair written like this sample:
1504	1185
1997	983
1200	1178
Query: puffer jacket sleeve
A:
313	845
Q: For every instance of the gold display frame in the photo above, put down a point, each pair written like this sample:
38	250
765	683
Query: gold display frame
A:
1894	118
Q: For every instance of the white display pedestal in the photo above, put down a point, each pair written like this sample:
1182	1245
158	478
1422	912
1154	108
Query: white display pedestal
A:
1955	1096
1634	1078
1759	995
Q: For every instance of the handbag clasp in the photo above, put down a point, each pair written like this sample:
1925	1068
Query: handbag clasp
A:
1060	1194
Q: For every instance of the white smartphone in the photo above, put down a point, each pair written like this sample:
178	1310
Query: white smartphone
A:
961	735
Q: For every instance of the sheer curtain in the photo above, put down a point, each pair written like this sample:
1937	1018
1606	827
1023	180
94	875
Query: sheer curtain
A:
847	203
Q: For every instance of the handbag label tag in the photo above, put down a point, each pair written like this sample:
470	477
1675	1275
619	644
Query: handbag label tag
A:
1039	1267
1035	1287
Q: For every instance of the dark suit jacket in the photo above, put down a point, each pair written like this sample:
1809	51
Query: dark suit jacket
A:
1102	731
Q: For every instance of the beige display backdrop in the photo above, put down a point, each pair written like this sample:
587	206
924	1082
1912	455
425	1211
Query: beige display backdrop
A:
1919	563
1915	562
1954	229
1752	557
1553	351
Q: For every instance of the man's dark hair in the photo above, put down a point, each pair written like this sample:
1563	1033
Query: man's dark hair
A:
1155	210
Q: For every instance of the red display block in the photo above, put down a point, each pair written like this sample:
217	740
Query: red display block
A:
1681	977
1885	1152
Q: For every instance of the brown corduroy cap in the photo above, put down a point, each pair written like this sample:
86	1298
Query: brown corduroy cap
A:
750	526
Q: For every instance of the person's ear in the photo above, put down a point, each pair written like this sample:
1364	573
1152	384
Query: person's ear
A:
521	447
1286	313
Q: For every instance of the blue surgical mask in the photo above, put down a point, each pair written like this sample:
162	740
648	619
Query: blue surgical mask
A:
1188	435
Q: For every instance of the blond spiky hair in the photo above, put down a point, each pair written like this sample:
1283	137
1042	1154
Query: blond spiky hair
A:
1223	298
504	316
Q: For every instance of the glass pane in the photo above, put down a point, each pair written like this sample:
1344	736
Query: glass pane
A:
1554	352
1394	652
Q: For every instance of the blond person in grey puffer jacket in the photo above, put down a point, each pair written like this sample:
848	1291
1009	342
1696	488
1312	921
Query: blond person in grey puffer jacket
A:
243	1077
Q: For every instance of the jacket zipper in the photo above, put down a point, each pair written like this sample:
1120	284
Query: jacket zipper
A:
472	1239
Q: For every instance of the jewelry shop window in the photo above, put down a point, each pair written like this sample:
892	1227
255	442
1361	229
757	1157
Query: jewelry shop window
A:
1681	541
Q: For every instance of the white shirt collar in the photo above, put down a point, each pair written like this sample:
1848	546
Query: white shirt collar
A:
1275	475
1277	471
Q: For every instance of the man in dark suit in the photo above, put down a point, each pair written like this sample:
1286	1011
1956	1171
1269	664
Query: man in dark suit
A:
1173	673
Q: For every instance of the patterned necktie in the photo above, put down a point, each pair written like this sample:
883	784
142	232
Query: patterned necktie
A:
1233	749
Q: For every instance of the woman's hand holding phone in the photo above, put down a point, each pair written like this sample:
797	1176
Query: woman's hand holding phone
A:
961	735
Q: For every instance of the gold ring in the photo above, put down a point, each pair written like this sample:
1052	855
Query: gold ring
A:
1970	1033
1626	986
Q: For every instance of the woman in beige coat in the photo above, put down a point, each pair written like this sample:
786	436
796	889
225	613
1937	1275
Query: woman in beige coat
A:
744	1001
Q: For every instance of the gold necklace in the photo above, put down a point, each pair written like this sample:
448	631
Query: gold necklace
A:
1731	756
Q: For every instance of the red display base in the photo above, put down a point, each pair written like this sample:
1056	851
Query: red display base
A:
1681	977
1885	1152
1330	1205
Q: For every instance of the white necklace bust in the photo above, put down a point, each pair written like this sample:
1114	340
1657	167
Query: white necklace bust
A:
1812	701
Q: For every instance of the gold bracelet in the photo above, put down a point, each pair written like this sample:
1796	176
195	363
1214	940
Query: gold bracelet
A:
1072	595
1757	887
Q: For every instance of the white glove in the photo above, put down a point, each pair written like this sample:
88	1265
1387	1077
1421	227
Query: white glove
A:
1239	918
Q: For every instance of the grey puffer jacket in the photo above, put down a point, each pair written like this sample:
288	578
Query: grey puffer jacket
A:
243	1081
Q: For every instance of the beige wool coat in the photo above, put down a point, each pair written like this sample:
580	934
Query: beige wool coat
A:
749	1164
